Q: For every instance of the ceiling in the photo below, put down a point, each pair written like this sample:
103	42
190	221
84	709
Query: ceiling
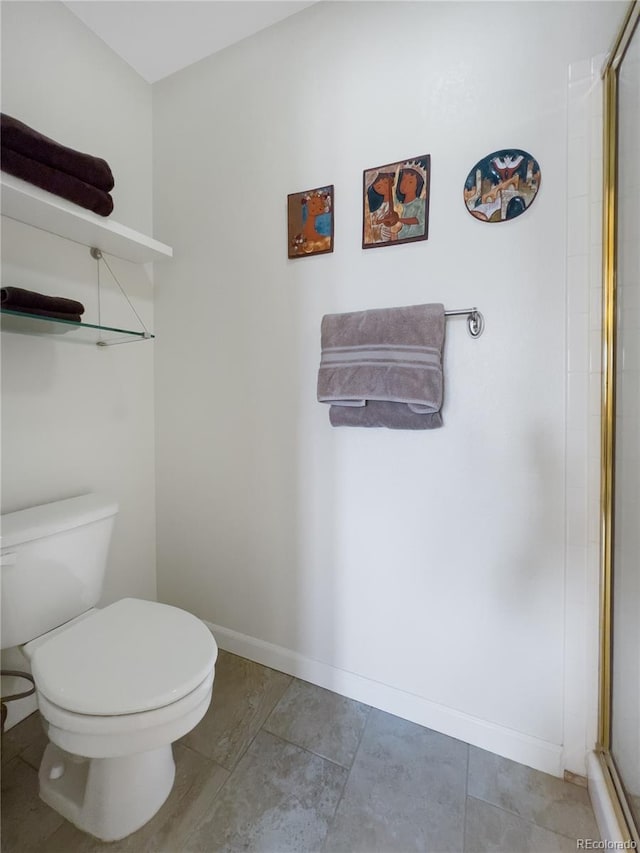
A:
158	37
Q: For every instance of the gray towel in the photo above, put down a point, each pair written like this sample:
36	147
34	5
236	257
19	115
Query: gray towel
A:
378	413
390	356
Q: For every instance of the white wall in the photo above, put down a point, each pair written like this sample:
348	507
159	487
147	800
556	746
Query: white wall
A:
422	572
80	418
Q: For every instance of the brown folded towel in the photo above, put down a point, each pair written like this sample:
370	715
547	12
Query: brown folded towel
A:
56	182
26	141
20	299
41	312
380	413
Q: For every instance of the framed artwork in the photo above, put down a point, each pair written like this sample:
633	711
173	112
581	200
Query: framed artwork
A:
502	185
396	202
310	222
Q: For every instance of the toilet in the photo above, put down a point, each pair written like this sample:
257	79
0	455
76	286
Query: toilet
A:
116	686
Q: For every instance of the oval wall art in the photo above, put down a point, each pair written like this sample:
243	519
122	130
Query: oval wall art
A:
502	185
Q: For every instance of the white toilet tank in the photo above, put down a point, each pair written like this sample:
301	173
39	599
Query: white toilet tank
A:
53	559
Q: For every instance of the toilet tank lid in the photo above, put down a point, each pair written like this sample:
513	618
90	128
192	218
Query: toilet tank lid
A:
36	522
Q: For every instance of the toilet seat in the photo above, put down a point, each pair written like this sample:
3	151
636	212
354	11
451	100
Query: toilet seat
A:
129	658
96	736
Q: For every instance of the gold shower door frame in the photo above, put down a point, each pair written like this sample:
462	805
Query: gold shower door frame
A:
610	227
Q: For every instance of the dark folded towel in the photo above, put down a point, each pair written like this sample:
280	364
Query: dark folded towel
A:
26	141
19	299
56	182
42	312
381	413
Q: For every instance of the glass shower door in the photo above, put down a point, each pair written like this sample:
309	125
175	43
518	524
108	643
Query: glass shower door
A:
625	665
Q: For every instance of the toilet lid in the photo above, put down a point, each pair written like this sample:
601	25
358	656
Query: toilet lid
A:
131	656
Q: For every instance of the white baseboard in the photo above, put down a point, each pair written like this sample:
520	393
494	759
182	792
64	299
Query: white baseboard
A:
500	740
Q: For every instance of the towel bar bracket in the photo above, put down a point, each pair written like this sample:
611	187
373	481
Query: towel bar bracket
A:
475	320
475	324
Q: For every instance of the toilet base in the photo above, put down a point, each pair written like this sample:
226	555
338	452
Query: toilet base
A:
107	797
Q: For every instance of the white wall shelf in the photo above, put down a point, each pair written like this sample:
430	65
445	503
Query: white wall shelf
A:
31	205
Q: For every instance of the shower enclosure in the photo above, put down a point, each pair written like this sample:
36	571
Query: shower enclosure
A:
619	729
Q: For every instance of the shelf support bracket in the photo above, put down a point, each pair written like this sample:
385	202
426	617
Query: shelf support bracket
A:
97	255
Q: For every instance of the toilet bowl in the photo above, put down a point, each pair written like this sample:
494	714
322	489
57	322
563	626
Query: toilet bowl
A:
116	688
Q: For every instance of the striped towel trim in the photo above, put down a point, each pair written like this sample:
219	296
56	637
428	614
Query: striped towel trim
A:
381	355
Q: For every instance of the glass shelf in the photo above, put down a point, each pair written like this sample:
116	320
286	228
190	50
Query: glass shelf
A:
82	333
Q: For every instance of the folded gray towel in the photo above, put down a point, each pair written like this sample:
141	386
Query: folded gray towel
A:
378	413
386	355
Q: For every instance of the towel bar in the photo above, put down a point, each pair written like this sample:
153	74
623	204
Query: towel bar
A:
475	320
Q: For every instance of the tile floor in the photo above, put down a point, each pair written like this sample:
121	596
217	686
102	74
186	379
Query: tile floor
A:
279	765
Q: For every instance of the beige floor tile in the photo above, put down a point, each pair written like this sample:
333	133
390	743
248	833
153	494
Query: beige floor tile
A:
406	792
319	720
22	736
34	752
279	799
489	829
545	800
244	694
27	822
192	811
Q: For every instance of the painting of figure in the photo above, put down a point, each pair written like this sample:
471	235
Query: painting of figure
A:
310	220
396	202
502	185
